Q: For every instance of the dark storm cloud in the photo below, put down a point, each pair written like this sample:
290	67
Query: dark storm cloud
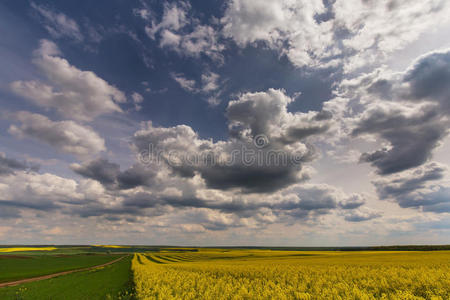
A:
101	170
440	198
404	185
136	175
416	188
109	174
296	134
429	79
251	179
413	133
412	146
9	165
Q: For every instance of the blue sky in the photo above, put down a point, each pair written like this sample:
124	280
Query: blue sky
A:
353	94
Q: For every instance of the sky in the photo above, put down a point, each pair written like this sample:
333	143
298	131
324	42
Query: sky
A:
235	122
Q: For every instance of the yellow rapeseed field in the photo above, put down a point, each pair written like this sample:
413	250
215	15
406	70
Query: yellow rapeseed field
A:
21	249
258	274
111	246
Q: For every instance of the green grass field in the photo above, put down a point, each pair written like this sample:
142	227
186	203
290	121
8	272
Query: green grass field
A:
110	282
15	267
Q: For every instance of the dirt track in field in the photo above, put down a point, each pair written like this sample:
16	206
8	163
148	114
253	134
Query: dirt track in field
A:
17	282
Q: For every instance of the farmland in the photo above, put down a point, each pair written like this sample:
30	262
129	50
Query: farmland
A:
16	267
26	249
293	275
207	273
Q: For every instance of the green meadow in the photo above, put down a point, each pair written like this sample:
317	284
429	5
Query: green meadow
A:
109	282
15	267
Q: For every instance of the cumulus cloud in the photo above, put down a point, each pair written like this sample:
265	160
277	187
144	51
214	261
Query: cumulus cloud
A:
58	24
266	113
37	191
65	136
261	129
136	194
75	94
42	193
126	198
215	183
288	26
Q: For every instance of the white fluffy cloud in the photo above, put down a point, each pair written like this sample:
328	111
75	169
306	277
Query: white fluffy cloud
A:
65	136
37	191
279	23
353	33
75	94
377	28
